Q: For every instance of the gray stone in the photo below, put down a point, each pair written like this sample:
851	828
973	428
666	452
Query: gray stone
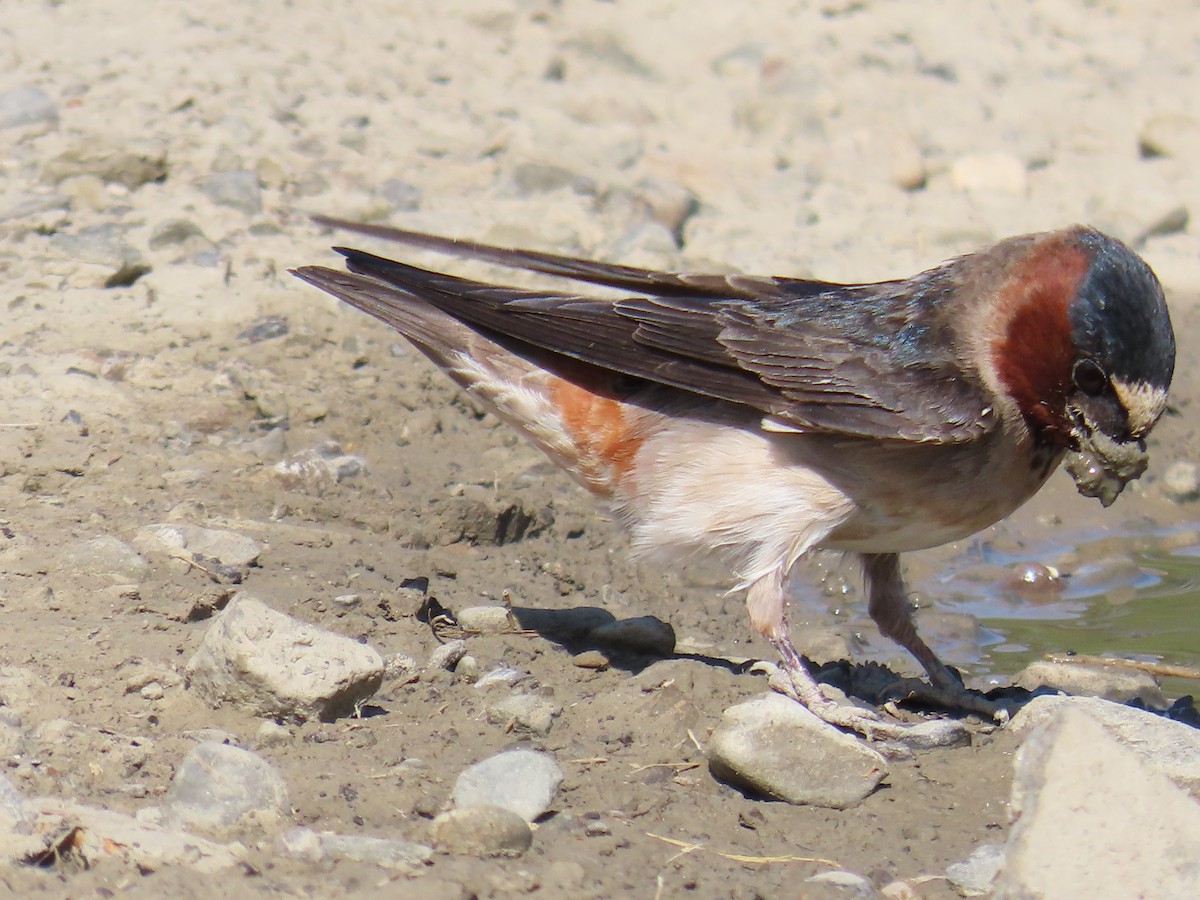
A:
237	189
523	781
108	558
102	245
643	634
218	787
974	876
312	846
274	666
1093	819
524	712
773	746
931	734
1107	682
26	105
1172	748
446	656
482	831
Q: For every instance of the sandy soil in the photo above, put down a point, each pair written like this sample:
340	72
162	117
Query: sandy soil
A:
850	140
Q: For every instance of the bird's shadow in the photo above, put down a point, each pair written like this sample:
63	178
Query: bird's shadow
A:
575	630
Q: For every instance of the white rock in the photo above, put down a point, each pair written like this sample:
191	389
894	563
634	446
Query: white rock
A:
274	666
523	781
1093	819
486	619
773	746
1000	172
218	787
1172	748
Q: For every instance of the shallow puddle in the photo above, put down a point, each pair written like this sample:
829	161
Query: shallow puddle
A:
994	606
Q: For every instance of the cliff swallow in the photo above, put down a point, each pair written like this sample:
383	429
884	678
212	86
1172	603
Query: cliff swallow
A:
759	418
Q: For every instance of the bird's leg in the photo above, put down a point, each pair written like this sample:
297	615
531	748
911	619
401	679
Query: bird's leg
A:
887	603
765	602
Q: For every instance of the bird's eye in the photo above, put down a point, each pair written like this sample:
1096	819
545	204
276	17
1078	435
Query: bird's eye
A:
1089	377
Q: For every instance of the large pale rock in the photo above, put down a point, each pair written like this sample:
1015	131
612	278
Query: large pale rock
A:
272	665
1172	748
1093	819
773	746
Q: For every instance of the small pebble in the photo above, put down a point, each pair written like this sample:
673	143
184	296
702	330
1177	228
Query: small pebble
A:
591	659
1181	481
524	712
446	656
973	877
237	189
152	691
26	105
501	675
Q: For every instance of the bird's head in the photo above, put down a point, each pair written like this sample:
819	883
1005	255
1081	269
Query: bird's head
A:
1086	350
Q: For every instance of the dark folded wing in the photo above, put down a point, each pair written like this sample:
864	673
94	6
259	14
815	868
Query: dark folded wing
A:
856	360
630	278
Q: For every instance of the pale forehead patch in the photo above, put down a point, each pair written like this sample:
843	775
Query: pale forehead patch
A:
1143	403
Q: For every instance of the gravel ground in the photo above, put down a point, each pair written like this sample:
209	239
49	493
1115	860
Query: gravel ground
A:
160	367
